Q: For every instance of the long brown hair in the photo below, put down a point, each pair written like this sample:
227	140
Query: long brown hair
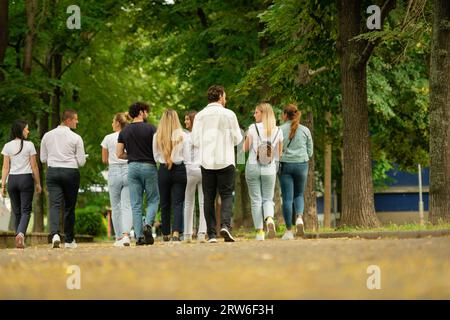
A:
168	135
293	114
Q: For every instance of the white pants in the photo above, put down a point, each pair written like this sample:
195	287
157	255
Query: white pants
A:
194	182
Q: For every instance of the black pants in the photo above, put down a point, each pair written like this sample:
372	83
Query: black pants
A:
223	181
172	187
21	191
63	185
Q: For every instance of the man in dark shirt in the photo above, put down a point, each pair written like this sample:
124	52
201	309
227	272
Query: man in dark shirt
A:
135	144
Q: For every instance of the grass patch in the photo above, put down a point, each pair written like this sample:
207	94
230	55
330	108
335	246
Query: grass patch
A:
250	233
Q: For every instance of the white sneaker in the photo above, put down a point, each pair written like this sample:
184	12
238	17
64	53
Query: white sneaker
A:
288	235
56	241
71	245
201	237
271	233
212	240
300	226
126	241
260	235
118	243
187	238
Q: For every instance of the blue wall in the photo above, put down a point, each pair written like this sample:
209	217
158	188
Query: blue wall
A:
385	202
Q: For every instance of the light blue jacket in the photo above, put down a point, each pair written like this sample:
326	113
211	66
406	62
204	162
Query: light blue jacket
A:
301	147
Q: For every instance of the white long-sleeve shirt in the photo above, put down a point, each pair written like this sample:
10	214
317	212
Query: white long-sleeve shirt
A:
177	152
63	148
216	132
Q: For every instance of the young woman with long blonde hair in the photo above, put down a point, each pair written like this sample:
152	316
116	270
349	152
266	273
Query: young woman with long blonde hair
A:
265	142
168	144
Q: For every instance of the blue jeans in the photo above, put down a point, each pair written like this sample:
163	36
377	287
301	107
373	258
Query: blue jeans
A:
143	177
261	188
293	182
119	195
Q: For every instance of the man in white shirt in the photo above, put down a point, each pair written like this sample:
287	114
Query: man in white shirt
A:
63	151
216	132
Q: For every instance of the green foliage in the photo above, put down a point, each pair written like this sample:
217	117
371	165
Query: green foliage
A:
90	221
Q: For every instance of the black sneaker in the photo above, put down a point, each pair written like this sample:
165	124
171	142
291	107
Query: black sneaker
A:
176	239
148	235
226	235
166	238
140	242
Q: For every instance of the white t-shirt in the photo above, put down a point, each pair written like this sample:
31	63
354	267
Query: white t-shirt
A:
110	143
275	138
177	152
20	163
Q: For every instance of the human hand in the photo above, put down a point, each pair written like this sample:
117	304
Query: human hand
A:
38	188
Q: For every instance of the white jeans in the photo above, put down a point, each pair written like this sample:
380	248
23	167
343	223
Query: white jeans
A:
194	182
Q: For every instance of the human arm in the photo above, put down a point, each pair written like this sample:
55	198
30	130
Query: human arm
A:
36	175
5	173
80	153
120	151
105	155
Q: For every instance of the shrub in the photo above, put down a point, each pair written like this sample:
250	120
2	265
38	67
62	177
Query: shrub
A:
90	221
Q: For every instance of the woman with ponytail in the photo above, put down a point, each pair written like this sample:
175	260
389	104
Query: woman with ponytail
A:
169	143
297	150
20	165
119	194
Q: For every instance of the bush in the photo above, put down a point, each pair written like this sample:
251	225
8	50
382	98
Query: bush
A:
90	221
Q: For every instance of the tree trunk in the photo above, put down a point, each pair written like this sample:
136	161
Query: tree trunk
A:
56	99
31	7
39	199
440	114
310	214
4	5
357	189
327	176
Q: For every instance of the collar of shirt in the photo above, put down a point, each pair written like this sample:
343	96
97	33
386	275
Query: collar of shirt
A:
215	104
63	127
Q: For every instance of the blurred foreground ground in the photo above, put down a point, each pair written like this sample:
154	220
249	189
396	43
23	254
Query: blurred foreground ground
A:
274	269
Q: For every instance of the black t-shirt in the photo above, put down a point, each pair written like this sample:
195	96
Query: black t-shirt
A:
138	140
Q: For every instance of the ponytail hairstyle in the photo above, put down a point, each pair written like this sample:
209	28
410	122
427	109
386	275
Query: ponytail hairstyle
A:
169	135
17	132
268	117
123	118
293	114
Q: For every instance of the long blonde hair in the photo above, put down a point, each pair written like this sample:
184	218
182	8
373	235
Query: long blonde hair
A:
268	118
168	135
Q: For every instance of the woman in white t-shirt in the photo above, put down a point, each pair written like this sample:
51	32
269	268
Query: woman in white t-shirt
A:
20	167
265	142
119	193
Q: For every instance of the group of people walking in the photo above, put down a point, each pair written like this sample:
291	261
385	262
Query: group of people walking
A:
199	159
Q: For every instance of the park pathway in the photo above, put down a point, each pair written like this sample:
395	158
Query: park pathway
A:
276	269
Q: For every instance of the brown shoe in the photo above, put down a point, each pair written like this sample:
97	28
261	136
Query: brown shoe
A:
20	241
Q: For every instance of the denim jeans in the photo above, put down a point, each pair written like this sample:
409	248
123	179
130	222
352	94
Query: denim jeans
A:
143	177
261	181
119	195
293	182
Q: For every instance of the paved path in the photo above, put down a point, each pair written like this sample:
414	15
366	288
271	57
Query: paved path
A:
276	269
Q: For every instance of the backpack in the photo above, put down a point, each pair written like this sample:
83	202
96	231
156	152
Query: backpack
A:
264	151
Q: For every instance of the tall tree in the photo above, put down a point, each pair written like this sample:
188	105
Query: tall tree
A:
440	114
4	5
357	187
